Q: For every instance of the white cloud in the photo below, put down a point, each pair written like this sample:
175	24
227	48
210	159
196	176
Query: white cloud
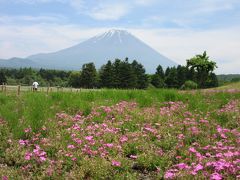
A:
109	11
222	45
54	18
145	2
101	10
38	1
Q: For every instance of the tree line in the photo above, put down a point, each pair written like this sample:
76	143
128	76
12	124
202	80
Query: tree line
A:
198	73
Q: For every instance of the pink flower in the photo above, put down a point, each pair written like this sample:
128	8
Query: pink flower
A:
133	156
182	166
27	130
192	149
116	163
42	158
109	145
216	176
4	178
28	156
198	167
78	141
89	138
181	136
74	159
21	142
169	175
70	146
123	139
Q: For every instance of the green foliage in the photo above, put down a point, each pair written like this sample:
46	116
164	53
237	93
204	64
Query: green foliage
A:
3	78
120	74
107	75
157	79
139	71
181	75
203	66
74	79
171	79
88	77
189	85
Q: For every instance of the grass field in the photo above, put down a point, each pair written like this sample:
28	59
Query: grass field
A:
120	134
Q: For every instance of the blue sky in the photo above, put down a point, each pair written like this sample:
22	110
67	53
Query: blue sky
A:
178	29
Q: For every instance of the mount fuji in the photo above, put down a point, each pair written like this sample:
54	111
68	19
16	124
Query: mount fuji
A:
99	49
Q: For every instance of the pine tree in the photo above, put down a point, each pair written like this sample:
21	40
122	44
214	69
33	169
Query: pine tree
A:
157	81
128	78
116	73
3	78
171	80
106	75
160	71
158	78
139	71
88	77
181	75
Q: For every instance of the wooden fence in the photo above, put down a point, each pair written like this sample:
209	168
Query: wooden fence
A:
18	89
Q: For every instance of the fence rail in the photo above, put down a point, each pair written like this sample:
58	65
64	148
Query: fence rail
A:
18	89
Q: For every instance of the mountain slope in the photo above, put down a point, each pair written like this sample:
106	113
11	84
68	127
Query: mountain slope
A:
108	46
19	63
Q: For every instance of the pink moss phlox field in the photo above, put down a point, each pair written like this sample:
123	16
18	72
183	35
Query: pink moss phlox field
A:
167	141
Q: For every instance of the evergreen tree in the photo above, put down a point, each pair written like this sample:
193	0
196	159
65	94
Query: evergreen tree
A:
167	71
106	75
160	71
158	78
88	77
171	80
128	78
3	78
139	71
181	75
116	73
157	81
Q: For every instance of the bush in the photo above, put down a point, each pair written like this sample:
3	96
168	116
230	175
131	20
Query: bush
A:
189	85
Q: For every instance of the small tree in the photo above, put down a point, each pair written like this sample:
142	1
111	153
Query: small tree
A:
203	66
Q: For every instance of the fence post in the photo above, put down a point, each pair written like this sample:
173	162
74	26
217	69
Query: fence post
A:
2	87
5	88
47	89
18	90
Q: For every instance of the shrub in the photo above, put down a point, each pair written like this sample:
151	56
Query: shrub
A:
189	85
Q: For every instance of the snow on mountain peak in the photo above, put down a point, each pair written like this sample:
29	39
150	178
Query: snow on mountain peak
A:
112	33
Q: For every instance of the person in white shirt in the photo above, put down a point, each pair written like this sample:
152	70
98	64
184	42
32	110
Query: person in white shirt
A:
35	86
